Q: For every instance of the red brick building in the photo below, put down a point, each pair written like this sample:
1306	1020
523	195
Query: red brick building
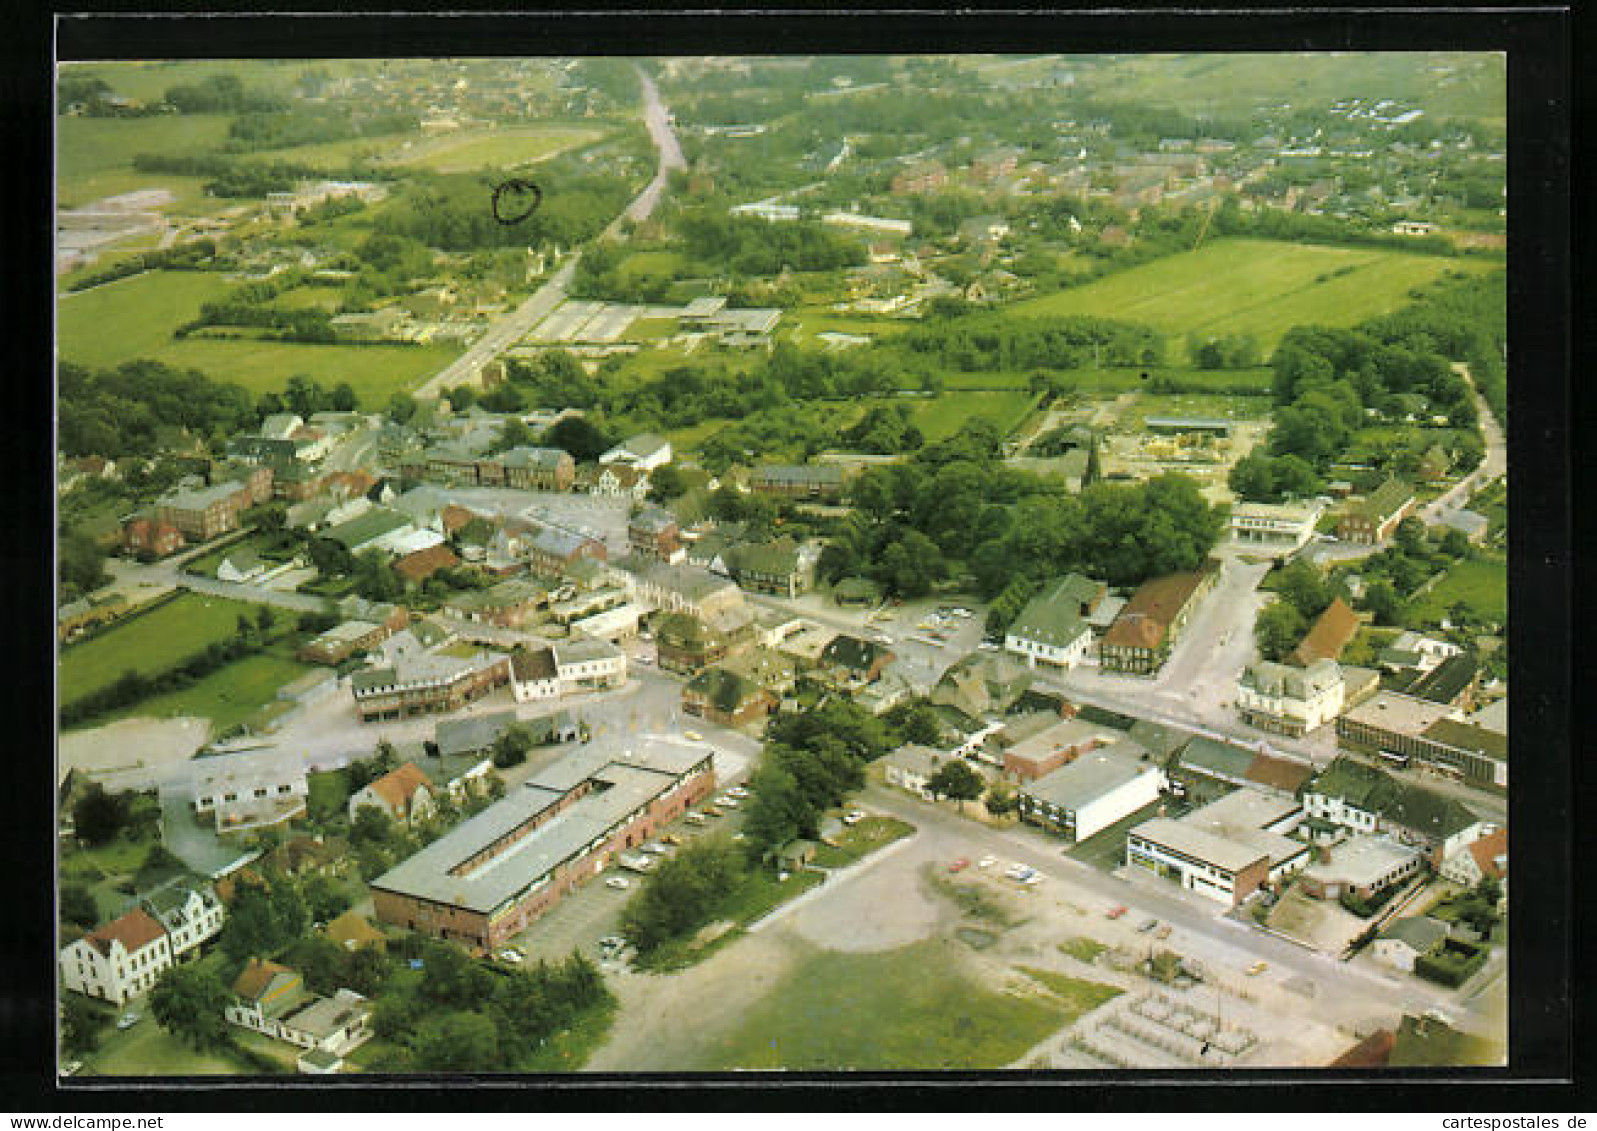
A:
143	537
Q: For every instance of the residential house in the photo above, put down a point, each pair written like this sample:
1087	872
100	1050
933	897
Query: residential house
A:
188	910
1331	632
417	683
981	684
353	931
1288	700
726	697
777	567
404	794
145	537
585	664
614	480
272	1000
1148	627
533	674
686	643
912	766
1092	792
509	604
652	532
1372	520
118	960
1365	799
1052	627
1408	938
854	661
531	469
1485	858
553	550
417	567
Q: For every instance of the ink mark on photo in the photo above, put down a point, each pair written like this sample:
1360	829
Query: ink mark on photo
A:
515	200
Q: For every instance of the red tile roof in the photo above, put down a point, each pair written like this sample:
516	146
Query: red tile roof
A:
1147	616
1330	634
454	517
1373	1051
399	785
257	976
1278	772
422	564
135	930
1487	850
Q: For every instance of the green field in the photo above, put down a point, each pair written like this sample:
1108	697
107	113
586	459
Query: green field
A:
148	1050
910	1008
149	81
1258	287
334	156
496	149
946	414
235	694
1205	405
1483	582
94	156
151	642
132	317
135	318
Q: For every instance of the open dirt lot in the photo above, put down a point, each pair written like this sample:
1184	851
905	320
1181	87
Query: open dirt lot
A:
132	744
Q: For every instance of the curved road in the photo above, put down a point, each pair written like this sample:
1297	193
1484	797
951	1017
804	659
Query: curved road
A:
510	329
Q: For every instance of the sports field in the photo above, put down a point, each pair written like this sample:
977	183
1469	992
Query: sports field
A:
495	149
152	642
1258	287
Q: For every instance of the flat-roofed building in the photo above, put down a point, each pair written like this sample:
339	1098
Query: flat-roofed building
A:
249	789
1405	728
489	878
1361	867
1098	788
1283	526
1044	749
1225	850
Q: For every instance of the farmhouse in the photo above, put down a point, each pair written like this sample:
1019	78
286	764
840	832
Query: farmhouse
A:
486	880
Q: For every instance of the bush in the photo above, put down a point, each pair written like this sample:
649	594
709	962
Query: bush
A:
1452	963
1366	908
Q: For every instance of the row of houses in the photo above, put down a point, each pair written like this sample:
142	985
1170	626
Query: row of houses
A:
124	957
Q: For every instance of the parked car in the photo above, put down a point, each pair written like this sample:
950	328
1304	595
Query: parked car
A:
654	848
618	882
987	862
1147	925
737	791
711	811
511	955
959	865
1034	878
986	646
672	839
1257	968
697	819
693	736
1115	912
127	1021
853	817
727	801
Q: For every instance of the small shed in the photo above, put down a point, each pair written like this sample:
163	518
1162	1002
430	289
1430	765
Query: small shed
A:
794	855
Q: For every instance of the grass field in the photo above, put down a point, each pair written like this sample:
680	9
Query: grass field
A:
1206	405
1483	582
1258	287
94	156
495	149
132	317
149	643
1078	995
336	155
233	695
946	414
910	1008
149	1050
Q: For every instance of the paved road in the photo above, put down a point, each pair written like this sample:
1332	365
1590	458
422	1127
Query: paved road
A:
658	120
130	576
1345	993
503	333
1492	467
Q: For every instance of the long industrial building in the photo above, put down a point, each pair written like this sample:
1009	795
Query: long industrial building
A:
485	881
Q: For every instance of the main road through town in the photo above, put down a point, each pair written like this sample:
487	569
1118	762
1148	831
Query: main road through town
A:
510	329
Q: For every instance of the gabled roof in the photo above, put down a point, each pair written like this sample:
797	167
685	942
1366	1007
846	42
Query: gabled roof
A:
352	931
778	559
1403	803
1420	932
1386	500
852	652
1491	853
1331	632
1277	773
1205	755
1147	616
367	527
134	930
424	563
261	978
400	784
458	736
527	664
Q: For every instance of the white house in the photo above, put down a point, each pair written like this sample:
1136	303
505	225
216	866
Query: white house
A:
249	789
118	960
1290	700
189	913
405	794
586	664
1473	862
1050	630
911	767
645	452
533	674
1407	939
272	1000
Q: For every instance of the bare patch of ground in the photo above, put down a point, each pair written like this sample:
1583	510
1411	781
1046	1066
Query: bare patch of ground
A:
132	744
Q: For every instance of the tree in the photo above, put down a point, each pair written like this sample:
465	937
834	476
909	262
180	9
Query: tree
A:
580	437
1381	599
1001	798
98	816
264	620
957	780
1278	630
80	1025
667	483
188	1002
371	826
510	748
1301	586
78	906
1455	544
458	1042
1410	537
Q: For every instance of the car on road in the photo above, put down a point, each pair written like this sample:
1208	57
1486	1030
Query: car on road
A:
618	882
697	819
986	646
127	1021
1034	879
1257	968
959	865
1021	872
727	801
511	955
644	660
611	945
853	817
987	862
1163	932
737	791
1115	912
693	736
1147	925
711	811
654	848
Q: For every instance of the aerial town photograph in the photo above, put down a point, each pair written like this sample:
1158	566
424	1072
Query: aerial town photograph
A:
836	563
